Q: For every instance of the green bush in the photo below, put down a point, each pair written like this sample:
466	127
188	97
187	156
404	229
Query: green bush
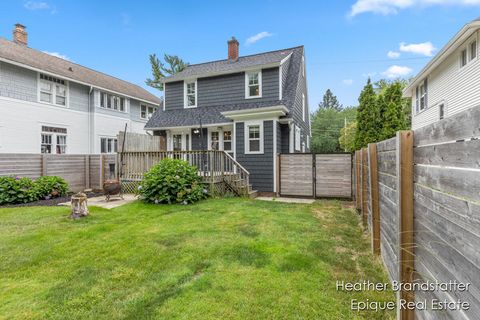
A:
172	181
47	187
16	190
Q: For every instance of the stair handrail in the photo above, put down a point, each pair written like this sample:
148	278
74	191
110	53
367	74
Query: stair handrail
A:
236	162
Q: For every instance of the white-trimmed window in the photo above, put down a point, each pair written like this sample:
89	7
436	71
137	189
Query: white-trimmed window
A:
254	137
421	96
473	50
304	108
52	90
146	112
214	140
108	145
253	84
297	138
190	89
53	140
463	58
227	140
110	101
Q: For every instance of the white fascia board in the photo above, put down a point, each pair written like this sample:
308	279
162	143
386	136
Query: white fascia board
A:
451	46
192	126
256	113
219	73
76	81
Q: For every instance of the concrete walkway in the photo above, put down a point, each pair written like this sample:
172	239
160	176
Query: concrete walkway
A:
287	200
114	202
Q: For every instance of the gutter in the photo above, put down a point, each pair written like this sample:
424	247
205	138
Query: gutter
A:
439	57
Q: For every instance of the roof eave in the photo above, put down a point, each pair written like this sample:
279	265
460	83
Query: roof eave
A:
452	45
213	74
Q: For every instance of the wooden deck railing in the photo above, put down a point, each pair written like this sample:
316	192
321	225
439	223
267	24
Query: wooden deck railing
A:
213	166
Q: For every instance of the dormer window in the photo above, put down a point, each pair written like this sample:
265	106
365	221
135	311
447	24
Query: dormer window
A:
253	84
190	98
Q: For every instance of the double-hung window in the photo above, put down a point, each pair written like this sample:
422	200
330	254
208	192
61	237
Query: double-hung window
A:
52	90
253	84
108	145
473	50
146	112
110	101
227	140
463	58
54	140
190	94
215	140
254	137
421	96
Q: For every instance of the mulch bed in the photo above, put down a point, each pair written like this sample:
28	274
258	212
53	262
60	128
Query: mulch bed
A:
50	202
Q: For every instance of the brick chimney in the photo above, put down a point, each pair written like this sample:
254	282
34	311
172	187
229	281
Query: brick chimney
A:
233	49
20	36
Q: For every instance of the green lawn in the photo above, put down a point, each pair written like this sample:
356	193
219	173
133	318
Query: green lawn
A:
219	259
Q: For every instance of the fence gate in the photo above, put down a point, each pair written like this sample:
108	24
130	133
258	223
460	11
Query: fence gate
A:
315	175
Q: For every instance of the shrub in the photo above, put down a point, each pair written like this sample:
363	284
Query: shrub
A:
16	190
172	181
47	187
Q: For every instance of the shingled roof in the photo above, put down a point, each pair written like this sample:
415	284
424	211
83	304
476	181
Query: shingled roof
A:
17	53
229	66
212	114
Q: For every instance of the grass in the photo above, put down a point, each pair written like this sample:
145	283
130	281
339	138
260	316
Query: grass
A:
218	259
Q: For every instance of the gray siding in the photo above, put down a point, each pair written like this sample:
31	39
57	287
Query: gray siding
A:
174	95
197	140
297	111
78	96
135	110
285	67
260	166
18	83
225	89
284	137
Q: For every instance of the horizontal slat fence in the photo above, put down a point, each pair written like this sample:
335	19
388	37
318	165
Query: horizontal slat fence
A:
80	171
445	215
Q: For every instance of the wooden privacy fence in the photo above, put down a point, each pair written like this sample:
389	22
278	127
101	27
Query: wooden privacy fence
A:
82	171
419	195
141	142
315	175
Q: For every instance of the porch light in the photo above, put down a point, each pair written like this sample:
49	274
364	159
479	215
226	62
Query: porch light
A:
196	131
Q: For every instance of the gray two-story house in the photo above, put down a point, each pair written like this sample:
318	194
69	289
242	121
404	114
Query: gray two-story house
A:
253	107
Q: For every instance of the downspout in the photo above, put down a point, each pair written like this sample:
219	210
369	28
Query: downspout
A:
90	120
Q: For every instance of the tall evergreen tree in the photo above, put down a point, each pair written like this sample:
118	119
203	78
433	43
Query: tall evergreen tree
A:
368	117
330	101
392	105
173	64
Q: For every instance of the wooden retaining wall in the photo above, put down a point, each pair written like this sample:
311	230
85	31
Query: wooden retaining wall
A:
80	171
428	193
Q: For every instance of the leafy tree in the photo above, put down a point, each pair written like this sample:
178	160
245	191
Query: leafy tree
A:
330	101
347	137
368	117
326	126
392	116
160	70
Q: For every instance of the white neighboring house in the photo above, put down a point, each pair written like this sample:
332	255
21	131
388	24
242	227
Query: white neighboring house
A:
450	82
52	105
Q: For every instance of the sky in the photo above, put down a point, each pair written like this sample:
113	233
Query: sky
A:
346	41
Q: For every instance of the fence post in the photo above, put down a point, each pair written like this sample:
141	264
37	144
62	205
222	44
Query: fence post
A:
364	186
358	195
87	171
314	176
405	217
372	160
102	169
44	164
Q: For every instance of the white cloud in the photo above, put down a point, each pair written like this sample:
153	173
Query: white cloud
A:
386	7
348	82
393	54
58	55
258	37
425	48
397	71
36	5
